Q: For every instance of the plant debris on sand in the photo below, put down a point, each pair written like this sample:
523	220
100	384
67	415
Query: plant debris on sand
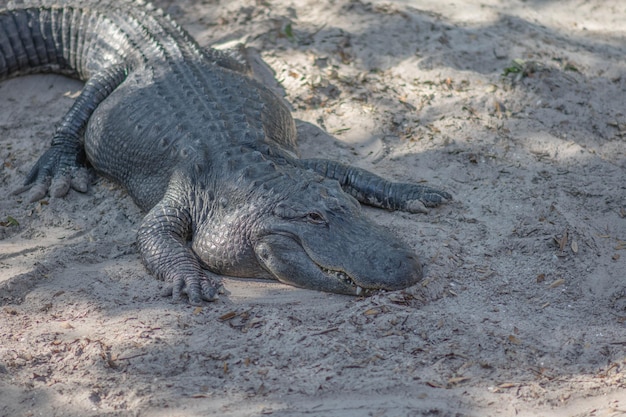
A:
518	108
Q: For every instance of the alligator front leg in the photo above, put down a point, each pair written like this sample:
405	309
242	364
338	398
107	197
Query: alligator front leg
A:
162	240
375	191
63	165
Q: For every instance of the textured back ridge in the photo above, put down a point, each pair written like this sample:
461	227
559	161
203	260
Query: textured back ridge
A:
78	38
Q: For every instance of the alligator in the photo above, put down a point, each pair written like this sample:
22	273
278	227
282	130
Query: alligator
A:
207	151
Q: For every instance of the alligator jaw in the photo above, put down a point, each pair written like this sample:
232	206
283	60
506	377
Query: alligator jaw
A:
346	279
289	262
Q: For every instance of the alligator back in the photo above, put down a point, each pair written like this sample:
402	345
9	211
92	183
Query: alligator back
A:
176	99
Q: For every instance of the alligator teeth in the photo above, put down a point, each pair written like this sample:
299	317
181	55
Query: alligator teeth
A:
345	278
339	275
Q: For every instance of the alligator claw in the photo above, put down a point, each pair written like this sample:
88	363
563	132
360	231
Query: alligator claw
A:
55	173
210	291
196	290
80	180
60	185
417	198
434	197
415	206
37	190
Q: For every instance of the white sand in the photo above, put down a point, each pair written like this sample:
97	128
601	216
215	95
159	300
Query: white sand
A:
523	308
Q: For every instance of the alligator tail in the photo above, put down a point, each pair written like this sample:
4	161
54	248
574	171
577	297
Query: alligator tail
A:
73	41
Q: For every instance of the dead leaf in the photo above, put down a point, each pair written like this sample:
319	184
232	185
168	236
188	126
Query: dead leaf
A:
513	339
458	379
403	100
332	329
371	312
507	385
562	242
557	283
197	311
10	222
541	278
72	95
227	316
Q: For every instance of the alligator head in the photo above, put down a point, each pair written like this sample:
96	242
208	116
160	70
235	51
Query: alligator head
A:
319	238
308	233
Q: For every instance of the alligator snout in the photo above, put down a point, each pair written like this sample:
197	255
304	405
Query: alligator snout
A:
376	260
389	264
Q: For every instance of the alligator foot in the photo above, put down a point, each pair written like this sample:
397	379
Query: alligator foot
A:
62	167
162	243
55	173
196	289
413	198
375	191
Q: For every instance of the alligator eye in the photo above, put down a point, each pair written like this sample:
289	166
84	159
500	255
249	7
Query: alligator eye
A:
315	218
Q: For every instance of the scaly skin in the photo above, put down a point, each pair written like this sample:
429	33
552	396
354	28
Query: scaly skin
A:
207	151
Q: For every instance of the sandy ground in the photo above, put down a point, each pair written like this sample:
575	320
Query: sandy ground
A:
516	107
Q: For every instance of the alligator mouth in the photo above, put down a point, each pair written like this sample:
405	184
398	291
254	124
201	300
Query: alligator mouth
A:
347	280
291	263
